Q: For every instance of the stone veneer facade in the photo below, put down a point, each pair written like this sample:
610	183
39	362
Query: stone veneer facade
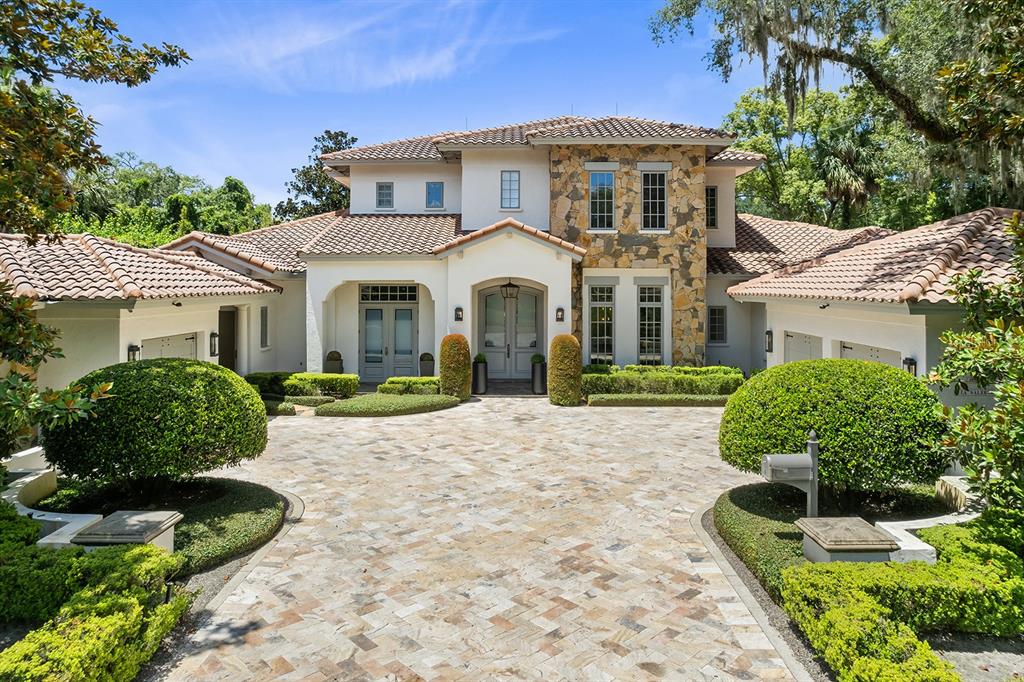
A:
683	249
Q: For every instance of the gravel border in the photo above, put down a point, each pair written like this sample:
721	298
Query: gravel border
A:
799	651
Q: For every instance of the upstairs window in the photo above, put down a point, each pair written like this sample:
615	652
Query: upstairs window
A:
435	195
385	195
602	314
653	188
510	189
717	325
711	206
602	200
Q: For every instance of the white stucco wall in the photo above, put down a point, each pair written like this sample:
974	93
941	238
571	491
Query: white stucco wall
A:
744	346
88	337
625	315
725	179
481	187
410	186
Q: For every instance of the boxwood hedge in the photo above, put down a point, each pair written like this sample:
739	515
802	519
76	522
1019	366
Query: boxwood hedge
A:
456	369
168	419
385	405
304	383
877	425
654	400
413	385
662	381
565	370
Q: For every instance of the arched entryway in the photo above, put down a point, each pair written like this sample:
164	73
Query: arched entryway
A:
510	329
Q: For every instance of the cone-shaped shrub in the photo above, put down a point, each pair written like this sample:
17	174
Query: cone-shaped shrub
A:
456	368
565	370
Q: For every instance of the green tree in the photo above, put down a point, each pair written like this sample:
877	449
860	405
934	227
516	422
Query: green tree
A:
311	192
44	135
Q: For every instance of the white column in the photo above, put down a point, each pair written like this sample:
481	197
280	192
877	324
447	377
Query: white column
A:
314	332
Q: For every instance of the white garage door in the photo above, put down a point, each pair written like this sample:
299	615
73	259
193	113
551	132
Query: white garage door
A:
860	351
802	347
177	346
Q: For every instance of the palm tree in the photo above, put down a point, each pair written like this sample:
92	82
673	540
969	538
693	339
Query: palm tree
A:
848	162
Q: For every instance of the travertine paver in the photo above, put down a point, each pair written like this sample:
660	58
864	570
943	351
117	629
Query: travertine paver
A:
504	539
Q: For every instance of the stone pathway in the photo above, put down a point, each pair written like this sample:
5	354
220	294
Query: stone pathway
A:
503	539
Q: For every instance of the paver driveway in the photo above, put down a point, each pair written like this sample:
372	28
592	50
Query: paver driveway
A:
503	539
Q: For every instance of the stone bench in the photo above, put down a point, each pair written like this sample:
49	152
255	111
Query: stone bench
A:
844	538
131	528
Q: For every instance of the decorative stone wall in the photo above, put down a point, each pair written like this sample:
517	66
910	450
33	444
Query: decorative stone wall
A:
683	249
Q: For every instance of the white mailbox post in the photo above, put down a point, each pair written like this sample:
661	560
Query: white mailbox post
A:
799	471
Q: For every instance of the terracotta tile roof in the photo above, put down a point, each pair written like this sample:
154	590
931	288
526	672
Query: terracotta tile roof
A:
384	234
509	223
82	266
626	127
764	245
905	267
728	157
515	133
410	149
271	248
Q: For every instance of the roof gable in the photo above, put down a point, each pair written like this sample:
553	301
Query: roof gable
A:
508	224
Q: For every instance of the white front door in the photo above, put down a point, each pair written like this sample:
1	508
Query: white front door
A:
802	347
860	351
511	332
387	340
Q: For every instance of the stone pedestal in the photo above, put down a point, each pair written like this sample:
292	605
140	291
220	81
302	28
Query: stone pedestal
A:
132	528
844	539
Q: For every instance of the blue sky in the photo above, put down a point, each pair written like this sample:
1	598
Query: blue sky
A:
266	77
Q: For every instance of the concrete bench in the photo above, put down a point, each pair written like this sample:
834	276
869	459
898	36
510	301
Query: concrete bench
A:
844	538
131	528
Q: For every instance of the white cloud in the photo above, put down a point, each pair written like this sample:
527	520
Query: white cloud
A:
355	47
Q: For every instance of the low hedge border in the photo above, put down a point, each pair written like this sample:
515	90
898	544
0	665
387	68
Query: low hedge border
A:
279	408
310	400
411	385
304	383
385	405
655	400
662	382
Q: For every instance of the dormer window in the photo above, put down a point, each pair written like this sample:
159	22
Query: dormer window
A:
711	206
435	195
385	195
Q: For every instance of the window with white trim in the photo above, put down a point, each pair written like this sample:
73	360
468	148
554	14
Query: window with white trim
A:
510	189
717	325
385	195
435	195
602	200
264	326
649	317
711	206
602	324
654	204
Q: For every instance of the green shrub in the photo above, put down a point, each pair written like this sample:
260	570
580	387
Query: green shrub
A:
654	400
310	400
168	419
877	424
683	369
384	405
600	368
456	370
565	370
279	408
337	385
294	386
35	581
413	385
16	530
718	384
537	359
268	383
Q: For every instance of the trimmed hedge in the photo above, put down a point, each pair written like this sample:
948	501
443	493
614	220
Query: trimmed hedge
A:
168	419
565	371
654	400
456	368
600	368
279	408
877	424
310	400
304	383
410	385
662	382
384	405
684	369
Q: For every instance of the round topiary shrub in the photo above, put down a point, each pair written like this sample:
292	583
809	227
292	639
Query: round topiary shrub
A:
877	425
168	419
565	371
456	369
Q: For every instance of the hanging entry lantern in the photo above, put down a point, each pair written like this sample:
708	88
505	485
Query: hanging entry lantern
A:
510	290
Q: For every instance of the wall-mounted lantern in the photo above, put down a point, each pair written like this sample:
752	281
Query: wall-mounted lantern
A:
133	352
214	344
458	313
510	290
769	341
559	314
910	364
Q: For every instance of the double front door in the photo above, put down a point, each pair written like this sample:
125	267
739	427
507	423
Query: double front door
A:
512	331
387	335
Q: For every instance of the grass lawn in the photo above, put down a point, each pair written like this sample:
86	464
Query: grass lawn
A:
224	518
386	405
757	522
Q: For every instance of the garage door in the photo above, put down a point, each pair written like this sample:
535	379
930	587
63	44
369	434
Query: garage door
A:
177	346
860	351
802	347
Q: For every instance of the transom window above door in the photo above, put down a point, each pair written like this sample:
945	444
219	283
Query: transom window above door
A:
435	195
385	195
602	200
387	293
510	189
